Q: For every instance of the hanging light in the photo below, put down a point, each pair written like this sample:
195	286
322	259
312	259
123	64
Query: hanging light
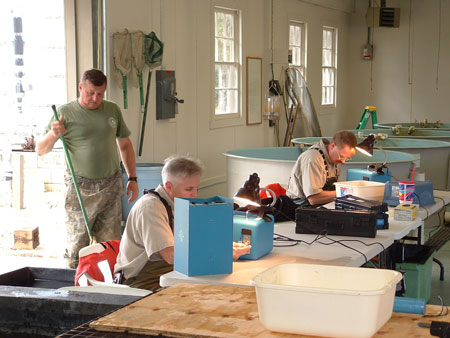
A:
272	102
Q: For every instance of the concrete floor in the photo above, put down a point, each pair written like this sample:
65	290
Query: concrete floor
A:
441	288
47	214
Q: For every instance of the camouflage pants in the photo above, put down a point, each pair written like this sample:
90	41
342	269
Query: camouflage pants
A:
102	200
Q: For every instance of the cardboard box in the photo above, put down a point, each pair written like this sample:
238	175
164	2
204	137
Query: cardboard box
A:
203	235
405	212
26	238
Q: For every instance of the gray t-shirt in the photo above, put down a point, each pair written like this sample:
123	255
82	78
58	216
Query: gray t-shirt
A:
309	175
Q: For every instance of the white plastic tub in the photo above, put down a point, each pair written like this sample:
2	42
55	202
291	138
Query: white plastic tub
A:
322	300
365	189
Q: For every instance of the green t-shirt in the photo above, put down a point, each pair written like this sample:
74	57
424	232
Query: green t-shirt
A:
91	137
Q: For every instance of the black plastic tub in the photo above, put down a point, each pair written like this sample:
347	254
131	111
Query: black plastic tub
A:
32	305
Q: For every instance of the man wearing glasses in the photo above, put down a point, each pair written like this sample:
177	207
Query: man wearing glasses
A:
315	171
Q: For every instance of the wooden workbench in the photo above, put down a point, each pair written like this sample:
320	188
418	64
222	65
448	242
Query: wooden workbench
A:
194	310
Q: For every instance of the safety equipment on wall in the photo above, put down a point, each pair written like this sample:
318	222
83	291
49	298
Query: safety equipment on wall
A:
122	59
153	53
137	44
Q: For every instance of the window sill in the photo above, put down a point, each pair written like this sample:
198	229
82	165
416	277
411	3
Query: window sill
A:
225	122
327	109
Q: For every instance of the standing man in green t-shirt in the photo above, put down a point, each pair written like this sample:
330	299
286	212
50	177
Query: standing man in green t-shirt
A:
94	130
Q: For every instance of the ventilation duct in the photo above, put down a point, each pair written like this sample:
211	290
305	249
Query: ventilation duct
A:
383	17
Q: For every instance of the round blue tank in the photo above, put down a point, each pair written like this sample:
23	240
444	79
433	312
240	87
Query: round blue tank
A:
274	165
434	154
438	135
149	177
425	125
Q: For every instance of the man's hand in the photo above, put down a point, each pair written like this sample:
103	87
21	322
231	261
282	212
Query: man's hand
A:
46	143
132	191
322	197
240	249
58	128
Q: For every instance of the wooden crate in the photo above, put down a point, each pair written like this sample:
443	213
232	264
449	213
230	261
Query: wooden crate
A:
26	238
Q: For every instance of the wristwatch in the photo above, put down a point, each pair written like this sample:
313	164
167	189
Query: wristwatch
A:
132	179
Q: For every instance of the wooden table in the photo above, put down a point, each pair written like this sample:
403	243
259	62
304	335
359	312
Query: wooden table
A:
193	310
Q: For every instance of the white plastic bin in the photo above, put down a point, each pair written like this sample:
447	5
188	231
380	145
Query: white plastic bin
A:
365	189
322	300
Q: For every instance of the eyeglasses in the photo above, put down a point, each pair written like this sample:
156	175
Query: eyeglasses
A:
343	158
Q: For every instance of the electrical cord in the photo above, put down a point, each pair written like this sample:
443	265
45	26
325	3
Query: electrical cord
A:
444	309
395	178
426	210
318	238
294	242
436	227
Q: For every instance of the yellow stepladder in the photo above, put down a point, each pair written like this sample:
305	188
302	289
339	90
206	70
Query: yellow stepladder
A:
369	111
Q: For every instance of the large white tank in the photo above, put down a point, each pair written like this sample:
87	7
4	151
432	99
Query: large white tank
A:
274	165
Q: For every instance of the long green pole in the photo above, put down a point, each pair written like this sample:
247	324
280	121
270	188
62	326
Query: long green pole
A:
144	119
69	163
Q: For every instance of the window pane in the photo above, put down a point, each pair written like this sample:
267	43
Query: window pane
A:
216	77
219	24
232	101
226	76
325	98
330	91
226	68
328	66
229	29
226	101
328	77
229	51
220	102
291	35
326	58
296	56
327	39
32	64
219	50
298	34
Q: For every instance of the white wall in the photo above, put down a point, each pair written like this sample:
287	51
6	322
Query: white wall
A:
316	14
185	27
407	84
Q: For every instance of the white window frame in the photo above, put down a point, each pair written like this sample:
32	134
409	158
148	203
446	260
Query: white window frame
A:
234	118
330	68
302	46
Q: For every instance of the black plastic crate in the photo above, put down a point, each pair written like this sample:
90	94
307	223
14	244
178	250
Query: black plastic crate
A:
359	223
46	278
